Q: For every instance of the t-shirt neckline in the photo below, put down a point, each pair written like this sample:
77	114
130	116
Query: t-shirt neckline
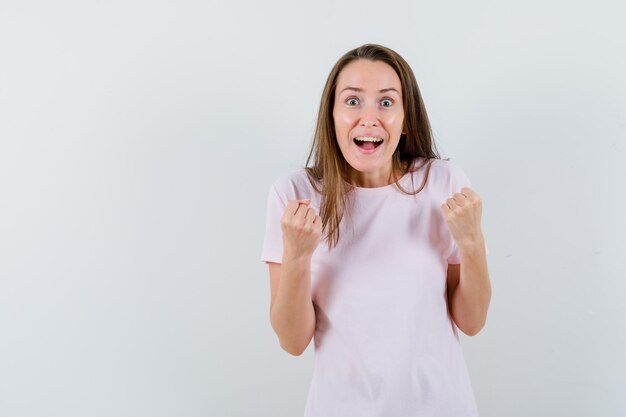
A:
385	189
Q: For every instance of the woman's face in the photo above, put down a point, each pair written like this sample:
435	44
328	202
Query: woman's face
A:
368	102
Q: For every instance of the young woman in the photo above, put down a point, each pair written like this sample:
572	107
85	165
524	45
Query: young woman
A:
383	290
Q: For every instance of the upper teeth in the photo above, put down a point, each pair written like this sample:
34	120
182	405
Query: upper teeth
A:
368	139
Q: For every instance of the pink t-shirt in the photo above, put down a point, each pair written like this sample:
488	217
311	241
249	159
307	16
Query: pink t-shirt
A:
385	344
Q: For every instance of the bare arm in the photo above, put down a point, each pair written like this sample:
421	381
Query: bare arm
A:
291	309
469	288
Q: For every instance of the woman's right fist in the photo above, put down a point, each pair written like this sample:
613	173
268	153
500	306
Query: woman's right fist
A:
302	229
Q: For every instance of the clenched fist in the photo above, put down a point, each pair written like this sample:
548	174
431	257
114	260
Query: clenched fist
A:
462	214
302	229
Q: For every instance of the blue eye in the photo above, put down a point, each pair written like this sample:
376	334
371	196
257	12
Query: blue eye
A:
383	100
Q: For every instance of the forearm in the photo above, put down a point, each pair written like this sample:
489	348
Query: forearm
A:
292	314
471	297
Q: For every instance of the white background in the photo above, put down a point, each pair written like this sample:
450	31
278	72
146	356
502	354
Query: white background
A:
138	141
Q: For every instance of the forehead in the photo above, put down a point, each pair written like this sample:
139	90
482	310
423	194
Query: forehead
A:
371	76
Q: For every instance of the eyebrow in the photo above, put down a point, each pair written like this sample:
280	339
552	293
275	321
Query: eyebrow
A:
360	89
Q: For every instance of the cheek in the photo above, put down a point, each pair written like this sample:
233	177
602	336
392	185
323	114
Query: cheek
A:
343	122
342	118
395	119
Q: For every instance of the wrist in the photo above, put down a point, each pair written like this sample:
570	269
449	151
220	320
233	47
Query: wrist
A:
289	257
476	241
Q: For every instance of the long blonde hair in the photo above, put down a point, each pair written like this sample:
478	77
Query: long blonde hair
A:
330	168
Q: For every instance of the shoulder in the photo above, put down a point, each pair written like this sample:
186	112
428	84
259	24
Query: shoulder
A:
290	181
294	185
447	171
446	166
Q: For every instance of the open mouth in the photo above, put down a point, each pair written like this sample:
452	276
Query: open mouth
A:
366	144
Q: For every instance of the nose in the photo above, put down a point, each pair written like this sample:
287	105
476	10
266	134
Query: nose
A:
369	115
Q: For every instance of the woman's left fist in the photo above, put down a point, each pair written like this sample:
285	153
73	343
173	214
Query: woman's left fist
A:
462	214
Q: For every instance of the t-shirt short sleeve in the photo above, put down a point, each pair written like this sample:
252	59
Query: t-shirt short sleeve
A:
272	250
459	180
